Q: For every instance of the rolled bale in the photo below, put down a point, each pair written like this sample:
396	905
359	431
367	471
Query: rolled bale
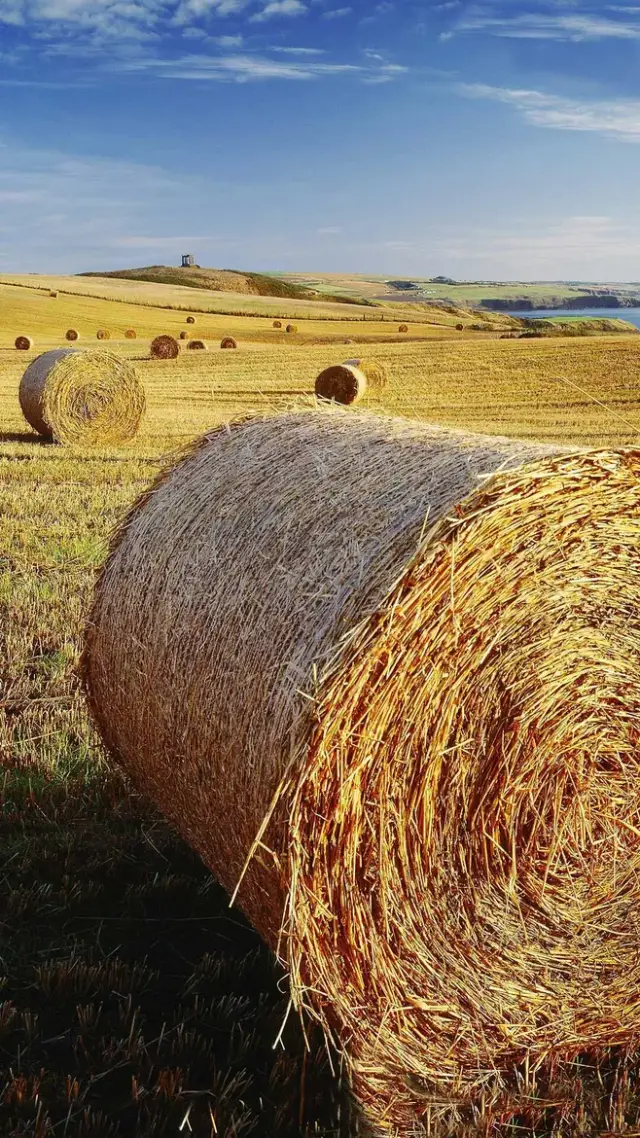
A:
291	328
23	343
82	398
183	335
131	334
72	335
53	295
277	324
403	328
190	320
459	327
197	346
164	348
228	342
103	334
377	373
341	383
409	736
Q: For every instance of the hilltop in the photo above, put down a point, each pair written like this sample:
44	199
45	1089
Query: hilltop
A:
225	280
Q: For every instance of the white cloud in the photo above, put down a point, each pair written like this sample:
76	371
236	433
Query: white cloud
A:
279	8
564	24
618	118
237	68
337	13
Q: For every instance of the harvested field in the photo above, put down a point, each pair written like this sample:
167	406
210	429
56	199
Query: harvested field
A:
122	921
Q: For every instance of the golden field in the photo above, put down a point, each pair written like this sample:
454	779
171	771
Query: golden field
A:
125	979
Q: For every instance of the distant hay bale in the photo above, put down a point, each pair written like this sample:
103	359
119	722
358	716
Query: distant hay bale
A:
459	327
341	383
197	346
53	295
72	335
82	398
130	334
164	348
183	335
23	343
403	328
228	342
277	324
401	670
103	334
190	320
376	373
291	328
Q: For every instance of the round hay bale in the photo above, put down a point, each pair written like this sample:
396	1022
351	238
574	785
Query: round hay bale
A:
103	334
82	398
277	324
130	334
291	328
341	383
183	335
197	346
23	343
459	327
377	373
228	342
190	320
403	328
53	295
406	722
72	335
164	348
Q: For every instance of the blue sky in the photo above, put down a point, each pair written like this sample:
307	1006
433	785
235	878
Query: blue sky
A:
497	139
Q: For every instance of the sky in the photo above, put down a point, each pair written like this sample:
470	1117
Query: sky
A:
492	140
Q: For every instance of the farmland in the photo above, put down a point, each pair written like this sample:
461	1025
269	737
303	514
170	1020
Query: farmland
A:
133	998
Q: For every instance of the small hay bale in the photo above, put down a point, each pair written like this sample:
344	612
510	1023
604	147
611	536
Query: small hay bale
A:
277	324
164	348
228	342
459	327
53	295
72	334
341	383
377	373
103	334
425	701
197	346
130	334
291	328
82	398
190	320
403	328
23	343
183	335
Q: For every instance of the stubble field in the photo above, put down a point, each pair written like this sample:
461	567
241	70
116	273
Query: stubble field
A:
132	1001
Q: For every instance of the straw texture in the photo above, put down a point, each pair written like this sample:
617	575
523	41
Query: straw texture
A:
341	383
376	373
23	343
82	398
164	348
430	652
228	342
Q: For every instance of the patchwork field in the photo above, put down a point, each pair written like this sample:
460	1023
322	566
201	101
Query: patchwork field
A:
133	1003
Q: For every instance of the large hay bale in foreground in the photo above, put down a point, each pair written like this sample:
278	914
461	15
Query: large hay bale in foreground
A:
72	335
402	671
376	372
341	383
23	343
228	342
164	348
83	398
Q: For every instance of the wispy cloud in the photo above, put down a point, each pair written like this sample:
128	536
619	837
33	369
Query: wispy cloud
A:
279	8
618	118
613	23
238	68
132	18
